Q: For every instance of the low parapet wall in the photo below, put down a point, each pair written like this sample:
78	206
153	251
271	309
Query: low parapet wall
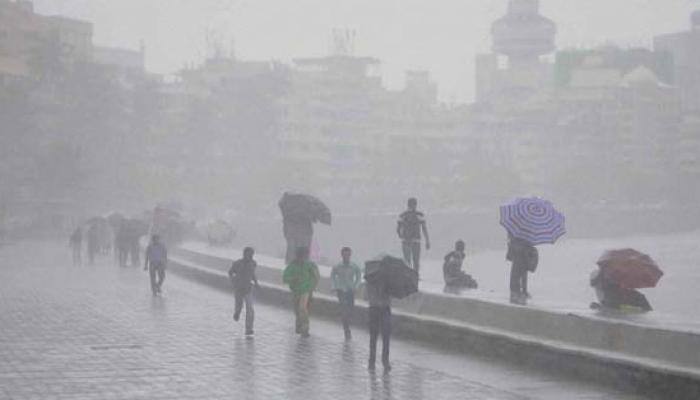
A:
649	359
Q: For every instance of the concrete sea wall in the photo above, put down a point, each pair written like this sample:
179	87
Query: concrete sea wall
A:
648	359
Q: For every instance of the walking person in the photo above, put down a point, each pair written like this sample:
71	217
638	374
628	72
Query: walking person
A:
345	279
242	275
409	228
156	262
379	322
76	244
524	258
302	276
122	244
93	243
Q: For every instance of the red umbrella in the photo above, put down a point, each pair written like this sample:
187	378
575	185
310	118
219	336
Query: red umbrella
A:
630	269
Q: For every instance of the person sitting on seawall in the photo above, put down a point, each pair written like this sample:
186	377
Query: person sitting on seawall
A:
452	269
612	296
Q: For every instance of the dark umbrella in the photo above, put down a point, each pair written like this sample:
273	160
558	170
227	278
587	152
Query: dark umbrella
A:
136	227
96	221
630	269
297	205
400	280
115	219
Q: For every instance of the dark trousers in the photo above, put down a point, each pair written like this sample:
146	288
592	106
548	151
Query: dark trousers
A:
379	322
411	254
135	251
159	270
77	255
245	297
518	279
347	302
92	252
122	255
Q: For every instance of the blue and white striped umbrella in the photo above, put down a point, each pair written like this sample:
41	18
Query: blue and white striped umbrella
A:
533	219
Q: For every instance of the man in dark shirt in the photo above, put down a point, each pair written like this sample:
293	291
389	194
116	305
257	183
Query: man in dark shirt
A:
411	224
242	275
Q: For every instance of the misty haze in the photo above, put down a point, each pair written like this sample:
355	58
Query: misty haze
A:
258	199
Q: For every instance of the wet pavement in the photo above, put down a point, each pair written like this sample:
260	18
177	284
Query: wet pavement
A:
97	333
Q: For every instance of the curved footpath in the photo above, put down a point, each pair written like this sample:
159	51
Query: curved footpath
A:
97	333
617	352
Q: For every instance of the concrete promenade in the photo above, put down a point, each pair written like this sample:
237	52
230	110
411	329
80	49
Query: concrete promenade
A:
97	333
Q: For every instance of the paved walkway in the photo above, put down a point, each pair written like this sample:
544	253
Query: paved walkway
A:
97	333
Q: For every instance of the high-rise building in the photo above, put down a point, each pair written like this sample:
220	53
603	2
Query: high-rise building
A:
684	48
515	70
28	40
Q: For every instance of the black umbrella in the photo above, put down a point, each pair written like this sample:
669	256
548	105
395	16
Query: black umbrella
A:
96	221
297	205
136	227
400	281
115	219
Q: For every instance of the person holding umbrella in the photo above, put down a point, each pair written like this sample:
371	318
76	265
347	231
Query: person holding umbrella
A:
299	213
524	258
529	222
386	277
302	276
379	322
621	272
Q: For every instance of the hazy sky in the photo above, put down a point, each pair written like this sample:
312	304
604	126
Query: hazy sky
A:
440	35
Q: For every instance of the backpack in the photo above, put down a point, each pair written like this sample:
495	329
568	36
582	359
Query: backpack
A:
532	258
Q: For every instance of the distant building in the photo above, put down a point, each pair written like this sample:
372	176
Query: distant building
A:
687	148
617	109
20	33
684	48
28	40
515	70
124	60
344	132
73	36
333	118
609	63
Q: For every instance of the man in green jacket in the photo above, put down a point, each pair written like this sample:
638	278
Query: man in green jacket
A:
302	276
